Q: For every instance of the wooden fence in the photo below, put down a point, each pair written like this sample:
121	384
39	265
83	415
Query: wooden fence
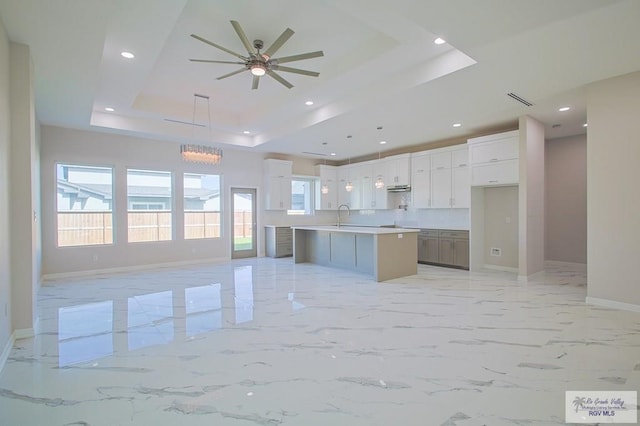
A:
78	228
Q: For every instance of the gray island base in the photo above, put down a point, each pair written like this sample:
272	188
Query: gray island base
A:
384	253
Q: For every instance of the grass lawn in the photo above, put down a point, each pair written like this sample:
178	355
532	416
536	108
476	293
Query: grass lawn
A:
242	243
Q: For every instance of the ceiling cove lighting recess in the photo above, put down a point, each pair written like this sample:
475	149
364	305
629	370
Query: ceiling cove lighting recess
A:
563	109
127	55
439	40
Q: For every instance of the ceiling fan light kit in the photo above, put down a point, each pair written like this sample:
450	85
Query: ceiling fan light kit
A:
261	63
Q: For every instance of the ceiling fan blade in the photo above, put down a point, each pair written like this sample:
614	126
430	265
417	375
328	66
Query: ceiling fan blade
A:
216	62
295	70
280	79
217	46
298	57
256	81
243	37
232	73
286	35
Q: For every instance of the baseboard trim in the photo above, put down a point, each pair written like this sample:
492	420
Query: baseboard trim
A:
134	268
24	333
531	277
575	265
7	350
612	304
500	268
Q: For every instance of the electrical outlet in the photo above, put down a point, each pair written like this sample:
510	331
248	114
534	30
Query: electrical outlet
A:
95	257
496	251
507	219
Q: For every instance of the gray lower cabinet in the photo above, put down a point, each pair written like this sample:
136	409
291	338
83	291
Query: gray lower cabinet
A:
279	241
444	247
428	246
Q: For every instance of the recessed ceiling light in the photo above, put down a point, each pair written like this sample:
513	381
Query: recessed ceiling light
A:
563	109
457	124
308	103
333	154
109	109
439	40
246	132
127	55
584	125
383	142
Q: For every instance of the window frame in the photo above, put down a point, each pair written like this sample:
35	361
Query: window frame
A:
158	225
308	195
111	211
220	210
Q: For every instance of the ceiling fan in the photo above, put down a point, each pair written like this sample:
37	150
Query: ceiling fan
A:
261	62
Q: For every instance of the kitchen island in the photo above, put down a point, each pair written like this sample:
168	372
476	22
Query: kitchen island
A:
384	253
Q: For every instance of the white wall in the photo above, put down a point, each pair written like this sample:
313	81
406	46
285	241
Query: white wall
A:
238	168
501	226
24	192
613	205
531	193
6	325
566	199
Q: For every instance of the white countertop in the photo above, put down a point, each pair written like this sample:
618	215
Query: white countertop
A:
356	229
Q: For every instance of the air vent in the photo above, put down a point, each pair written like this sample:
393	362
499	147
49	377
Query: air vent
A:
519	99
314	153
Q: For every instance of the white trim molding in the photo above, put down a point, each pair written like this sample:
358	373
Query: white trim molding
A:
7	350
612	304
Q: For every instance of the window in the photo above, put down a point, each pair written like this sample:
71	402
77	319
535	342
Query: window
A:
301	196
201	206
84	205
149	205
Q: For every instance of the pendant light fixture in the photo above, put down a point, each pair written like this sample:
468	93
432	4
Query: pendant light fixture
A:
379	184
201	153
349	185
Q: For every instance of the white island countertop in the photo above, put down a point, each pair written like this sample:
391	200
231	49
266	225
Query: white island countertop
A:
356	229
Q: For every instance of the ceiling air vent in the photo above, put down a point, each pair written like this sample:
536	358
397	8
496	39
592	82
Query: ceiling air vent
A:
314	153
519	99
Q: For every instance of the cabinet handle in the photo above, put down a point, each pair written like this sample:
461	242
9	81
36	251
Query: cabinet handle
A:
462	165
494	159
493	181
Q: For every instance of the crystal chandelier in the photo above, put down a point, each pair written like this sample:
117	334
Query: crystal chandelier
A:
201	153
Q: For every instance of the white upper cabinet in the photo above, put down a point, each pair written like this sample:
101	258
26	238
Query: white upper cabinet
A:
494	159
277	184
449	179
327	200
441	160
421	180
398	170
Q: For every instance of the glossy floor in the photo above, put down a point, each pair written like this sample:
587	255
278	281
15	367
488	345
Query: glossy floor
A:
267	342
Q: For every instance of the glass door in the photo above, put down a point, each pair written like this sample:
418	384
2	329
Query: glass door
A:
243	223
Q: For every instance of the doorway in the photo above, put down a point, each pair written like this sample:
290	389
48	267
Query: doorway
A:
243	223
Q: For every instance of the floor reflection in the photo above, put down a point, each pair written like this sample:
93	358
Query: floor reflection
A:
203	309
95	330
150	320
85	332
243	285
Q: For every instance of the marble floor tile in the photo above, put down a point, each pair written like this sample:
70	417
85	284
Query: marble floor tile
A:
268	342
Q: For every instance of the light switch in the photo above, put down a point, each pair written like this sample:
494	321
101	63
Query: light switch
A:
400	235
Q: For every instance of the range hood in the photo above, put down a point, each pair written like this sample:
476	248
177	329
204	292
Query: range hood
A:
399	188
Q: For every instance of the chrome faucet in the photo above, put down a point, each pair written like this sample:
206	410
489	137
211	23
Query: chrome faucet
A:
348	211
